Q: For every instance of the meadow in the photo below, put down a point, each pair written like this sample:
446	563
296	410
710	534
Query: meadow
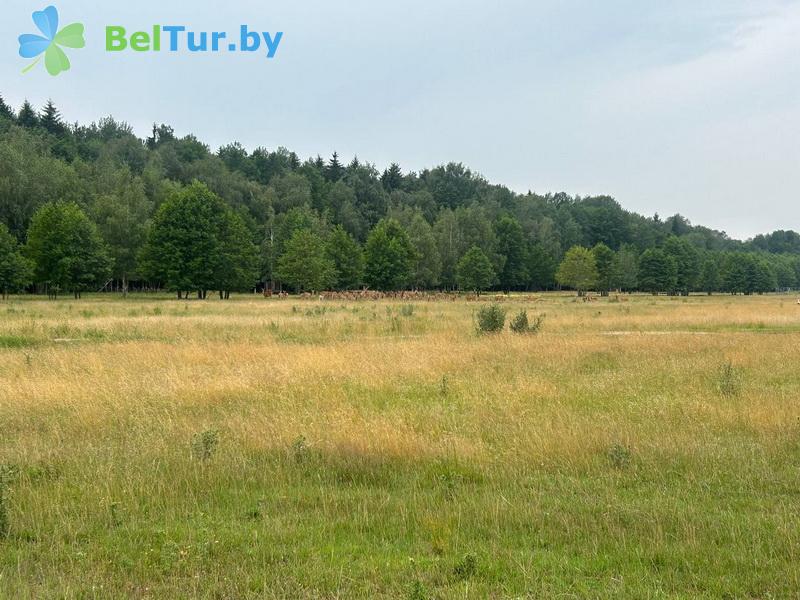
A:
643	447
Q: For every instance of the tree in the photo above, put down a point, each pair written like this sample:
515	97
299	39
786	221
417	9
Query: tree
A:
347	258
427	267
785	275
304	265
122	220
511	244
185	241
392	178
626	268
389	256
709	276
762	276
735	273
475	272
67	250
541	267
657	271
578	270
15	269
687	262
27	116
237	262
50	119
334	170
604	260
5	110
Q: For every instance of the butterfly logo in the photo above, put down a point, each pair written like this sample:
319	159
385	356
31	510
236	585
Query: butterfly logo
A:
50	42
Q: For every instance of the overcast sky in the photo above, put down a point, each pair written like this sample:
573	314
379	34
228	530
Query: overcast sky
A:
669	106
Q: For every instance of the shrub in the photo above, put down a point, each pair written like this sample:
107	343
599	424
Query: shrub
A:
407	310
619	456
490	319
521	324
729	381
466	567
205	444
417	591
300	450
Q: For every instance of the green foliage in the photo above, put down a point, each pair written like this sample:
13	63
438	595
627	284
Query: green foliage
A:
15	269
619	456
578	270
729	380
475	272
467	567
347	258
709	276
66	249
512	246
427	267
604	261
687	263
204	444
521	324
490	319
122	184
304	264
197	243
390	256
657	271
27	116
626	269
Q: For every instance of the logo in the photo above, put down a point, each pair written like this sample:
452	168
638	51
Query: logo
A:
51	41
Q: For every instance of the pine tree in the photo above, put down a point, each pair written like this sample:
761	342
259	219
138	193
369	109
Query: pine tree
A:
5	110
334	171
27	116
392	178
50	119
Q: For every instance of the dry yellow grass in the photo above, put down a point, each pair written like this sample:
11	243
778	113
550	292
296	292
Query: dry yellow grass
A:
103	397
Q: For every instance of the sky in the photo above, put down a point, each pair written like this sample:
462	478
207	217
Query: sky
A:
669	106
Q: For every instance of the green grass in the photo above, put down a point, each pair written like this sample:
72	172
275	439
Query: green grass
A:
359	458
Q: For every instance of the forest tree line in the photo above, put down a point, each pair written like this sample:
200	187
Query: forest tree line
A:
90	207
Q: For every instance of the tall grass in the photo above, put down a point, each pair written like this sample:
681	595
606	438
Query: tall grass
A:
244	449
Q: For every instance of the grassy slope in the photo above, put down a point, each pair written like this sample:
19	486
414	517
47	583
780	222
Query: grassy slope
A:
365	453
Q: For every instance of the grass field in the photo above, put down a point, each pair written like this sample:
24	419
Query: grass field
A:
156	448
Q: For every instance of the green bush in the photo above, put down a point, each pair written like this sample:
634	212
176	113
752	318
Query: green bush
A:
729	380
466	567
521	324
205	444
490	319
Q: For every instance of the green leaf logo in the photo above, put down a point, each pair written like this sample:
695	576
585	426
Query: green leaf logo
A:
50	42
